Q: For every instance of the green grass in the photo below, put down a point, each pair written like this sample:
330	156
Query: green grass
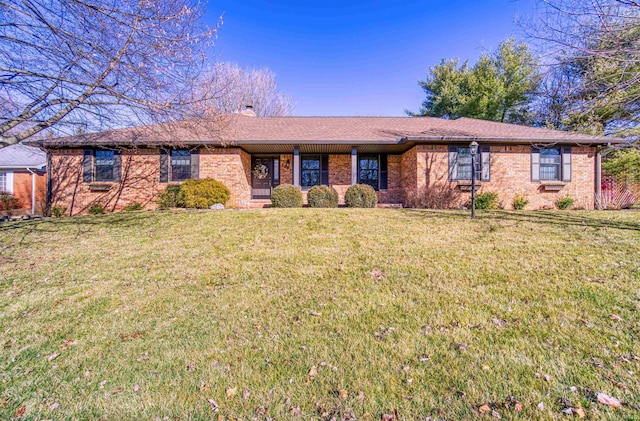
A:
426	312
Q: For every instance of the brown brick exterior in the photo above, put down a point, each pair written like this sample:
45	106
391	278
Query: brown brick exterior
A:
421	167
510	175
22	185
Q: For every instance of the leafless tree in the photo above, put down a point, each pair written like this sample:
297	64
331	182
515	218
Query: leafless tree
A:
595	44
85	65
228	88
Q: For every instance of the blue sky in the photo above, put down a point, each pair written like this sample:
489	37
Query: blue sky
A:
360	58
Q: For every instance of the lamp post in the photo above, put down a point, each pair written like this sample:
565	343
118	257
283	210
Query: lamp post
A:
474	151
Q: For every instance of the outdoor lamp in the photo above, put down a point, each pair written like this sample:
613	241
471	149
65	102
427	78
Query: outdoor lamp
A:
474	150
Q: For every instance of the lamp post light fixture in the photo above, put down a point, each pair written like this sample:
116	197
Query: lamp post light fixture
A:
474	151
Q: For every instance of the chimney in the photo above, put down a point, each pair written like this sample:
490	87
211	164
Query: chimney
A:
248	111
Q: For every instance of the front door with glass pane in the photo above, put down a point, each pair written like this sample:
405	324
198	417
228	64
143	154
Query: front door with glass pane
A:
264	176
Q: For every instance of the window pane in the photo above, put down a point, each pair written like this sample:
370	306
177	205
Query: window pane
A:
105	157
180	165
310	178
3	182
104	172
311	162
550	156
549	172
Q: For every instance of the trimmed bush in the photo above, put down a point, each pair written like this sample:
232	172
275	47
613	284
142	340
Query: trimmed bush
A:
286	196
172	197
519	202
564	203
133	207
96	209
8	202
486	200
361	196
437	196
322	197
201	194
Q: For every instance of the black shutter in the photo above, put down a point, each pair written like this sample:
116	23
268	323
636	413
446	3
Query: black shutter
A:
87	157
383	172
535	164
566	163
485	162
324	165
164	166
117	166
453	162
195	164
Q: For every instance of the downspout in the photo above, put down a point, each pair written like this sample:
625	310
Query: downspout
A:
48	199
33	191
598	178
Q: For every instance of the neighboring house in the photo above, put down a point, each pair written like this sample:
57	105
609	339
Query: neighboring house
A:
23	175
401	157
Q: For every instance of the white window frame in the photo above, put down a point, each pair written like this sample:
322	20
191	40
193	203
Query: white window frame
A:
8	181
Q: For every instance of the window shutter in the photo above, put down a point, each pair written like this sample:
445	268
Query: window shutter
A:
535	164
87	157
324	165
566	163
195	164
384	172
117	166
164	166
453	162
485	159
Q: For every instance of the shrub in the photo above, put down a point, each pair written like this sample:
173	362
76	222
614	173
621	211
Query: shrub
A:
58	211
286	196
133	207
203	193
519	202
8	202
564	203
96	209
437	196
172	197
486	200
361	196
322	197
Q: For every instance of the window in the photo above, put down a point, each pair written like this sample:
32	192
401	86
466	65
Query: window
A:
550	160
101	165
372	170
460	163
180	165
103	168
3	182
310	170
314	170
551	164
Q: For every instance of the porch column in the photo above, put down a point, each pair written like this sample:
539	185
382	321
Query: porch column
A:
296	166
598	198
354	166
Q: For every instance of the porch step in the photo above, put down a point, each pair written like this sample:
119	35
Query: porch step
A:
259	203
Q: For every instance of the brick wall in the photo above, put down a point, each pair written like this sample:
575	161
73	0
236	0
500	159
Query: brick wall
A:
22	185
232	167
510	175
340	174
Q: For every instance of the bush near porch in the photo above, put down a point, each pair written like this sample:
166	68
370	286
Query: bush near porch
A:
278	312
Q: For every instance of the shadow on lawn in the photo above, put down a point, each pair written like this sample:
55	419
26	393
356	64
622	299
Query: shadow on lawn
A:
562	218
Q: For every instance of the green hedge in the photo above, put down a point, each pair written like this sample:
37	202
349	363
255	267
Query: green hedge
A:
286	196
361	196
201	194
322	197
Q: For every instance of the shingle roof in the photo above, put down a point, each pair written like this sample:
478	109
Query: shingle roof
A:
22	156
246	130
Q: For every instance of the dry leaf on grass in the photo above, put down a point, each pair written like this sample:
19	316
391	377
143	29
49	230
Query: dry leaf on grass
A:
616	318
313	371
608	400
343	394
54	406
53	356
295	411
136	388
19	412
580	412
231	391
315	313
483	409
214	405
377	275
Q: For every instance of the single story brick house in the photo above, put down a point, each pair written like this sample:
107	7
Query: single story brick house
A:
23	175
400	157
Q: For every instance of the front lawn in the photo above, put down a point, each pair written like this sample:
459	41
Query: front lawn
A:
316	314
